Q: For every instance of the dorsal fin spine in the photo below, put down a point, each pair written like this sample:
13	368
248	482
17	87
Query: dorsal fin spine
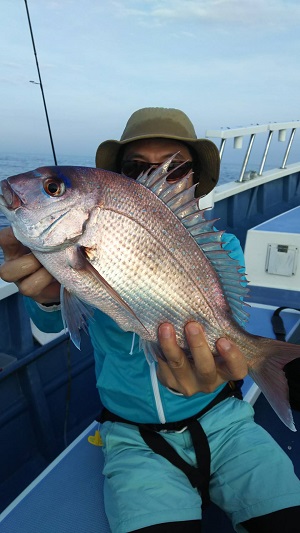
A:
186	208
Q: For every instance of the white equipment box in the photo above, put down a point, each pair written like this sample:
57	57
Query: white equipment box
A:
272	252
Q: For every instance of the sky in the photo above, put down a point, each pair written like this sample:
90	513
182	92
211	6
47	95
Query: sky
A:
226	63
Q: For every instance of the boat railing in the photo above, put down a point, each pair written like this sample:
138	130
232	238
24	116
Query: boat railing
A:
272	186
239	134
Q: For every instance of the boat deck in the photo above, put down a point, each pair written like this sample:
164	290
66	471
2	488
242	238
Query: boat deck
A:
68	495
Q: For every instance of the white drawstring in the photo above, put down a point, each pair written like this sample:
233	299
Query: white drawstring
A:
154	380
132	344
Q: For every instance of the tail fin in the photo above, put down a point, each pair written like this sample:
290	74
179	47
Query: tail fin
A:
270	377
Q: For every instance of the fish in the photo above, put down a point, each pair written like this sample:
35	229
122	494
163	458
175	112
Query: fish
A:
143	252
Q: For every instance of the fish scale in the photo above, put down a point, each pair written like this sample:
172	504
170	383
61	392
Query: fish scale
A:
142	252
126	267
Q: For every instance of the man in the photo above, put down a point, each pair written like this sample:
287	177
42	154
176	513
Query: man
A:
249	475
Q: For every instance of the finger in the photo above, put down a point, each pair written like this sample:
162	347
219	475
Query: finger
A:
11	247
165	374
173	353
14	270
40	286
203	359
180	373
49	295
232	363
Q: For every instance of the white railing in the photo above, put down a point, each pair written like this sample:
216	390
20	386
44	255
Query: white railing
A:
238	134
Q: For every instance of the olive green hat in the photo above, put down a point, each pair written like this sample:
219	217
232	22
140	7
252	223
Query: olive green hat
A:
160	122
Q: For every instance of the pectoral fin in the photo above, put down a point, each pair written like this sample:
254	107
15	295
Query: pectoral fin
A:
74	315
86	255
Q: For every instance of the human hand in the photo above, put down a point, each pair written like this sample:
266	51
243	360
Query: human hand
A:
22	268
205	372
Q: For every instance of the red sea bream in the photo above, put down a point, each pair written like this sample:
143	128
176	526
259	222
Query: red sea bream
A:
142	252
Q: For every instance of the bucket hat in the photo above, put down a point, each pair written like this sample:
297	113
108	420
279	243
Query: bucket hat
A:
166	123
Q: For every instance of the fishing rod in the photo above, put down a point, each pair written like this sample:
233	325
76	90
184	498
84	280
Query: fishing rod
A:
40	83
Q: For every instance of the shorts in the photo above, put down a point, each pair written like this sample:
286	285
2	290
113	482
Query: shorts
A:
250	474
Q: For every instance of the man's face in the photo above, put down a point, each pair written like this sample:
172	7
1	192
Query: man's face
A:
156	151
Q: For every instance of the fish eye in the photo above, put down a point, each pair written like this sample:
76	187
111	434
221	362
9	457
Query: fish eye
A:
54	187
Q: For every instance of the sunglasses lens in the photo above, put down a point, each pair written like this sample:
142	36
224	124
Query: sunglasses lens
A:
179	172
132	169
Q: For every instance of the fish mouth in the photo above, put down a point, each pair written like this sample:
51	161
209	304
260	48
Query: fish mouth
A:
8	197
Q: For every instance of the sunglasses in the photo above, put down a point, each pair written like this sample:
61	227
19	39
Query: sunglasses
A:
132	169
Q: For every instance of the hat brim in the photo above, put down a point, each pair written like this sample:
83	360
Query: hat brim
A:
207	175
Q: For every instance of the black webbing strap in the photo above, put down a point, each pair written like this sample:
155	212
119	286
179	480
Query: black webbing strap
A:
199	476
277	323
232	388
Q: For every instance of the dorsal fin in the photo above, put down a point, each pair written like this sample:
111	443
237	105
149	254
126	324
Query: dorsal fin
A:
181	200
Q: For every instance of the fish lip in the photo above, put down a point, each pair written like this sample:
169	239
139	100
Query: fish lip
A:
8	197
